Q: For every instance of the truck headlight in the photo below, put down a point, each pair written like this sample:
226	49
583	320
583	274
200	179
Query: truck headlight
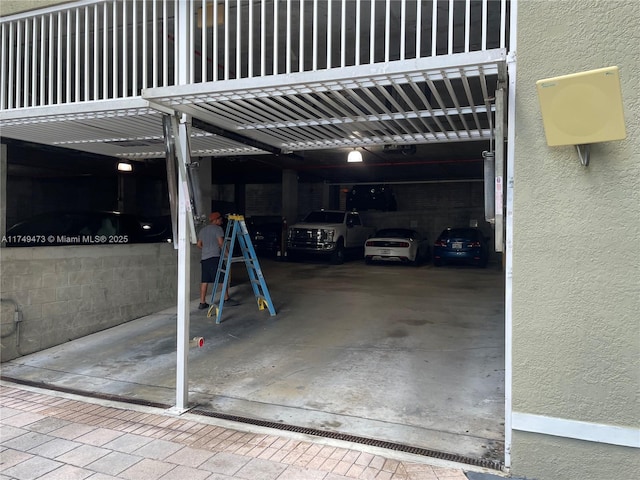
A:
327	235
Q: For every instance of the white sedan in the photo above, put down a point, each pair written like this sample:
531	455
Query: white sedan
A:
397	245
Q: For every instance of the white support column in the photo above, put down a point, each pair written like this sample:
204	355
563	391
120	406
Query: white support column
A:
509	188
186	236
184	256
499	172
186	230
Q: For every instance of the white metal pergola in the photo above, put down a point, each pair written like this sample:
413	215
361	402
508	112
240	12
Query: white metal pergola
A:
295	74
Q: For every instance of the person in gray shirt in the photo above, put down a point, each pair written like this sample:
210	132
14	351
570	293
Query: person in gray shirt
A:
210	241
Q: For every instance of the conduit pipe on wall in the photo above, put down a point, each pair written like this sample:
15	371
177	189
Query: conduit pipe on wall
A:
17	319
489	186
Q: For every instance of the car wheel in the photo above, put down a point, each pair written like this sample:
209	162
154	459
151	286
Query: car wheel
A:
368	260
437	262
337	257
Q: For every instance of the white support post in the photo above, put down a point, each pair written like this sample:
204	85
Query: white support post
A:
508	219
185	221
186	235
499	171
184	247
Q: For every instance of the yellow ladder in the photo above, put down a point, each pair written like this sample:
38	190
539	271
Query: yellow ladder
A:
237	231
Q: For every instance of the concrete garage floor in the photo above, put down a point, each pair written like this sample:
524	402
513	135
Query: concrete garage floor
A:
390	352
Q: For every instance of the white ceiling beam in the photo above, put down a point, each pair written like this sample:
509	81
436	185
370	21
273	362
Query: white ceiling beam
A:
333	79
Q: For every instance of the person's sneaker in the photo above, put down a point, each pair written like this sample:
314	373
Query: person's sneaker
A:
202	306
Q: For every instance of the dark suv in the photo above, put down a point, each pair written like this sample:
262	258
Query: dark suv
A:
266	234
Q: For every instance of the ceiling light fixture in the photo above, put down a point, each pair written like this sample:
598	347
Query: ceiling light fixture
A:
354	156
125	167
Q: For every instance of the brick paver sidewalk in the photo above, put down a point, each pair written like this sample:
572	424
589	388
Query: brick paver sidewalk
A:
47	435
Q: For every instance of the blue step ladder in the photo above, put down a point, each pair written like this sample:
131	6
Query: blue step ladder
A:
237	231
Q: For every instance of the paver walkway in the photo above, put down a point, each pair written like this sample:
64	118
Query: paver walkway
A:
50	435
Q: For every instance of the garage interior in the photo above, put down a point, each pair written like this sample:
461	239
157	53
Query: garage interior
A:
409	356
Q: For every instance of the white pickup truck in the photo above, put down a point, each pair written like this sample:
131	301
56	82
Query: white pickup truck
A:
328	233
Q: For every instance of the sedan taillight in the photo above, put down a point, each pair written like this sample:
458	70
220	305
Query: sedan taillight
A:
440	243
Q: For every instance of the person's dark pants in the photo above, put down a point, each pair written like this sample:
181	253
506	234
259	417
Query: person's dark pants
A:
209	269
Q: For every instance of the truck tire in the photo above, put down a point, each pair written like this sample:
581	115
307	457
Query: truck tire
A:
337	257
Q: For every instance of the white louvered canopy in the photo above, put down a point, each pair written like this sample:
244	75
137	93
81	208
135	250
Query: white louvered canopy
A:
412	102
420	101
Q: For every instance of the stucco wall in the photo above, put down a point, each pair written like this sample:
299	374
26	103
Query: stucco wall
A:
576	273
8	7
68	292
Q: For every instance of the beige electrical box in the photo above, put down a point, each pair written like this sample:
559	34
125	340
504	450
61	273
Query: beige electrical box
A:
582	107
209	16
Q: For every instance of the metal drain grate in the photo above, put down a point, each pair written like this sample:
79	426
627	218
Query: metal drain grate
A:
85	393
479	462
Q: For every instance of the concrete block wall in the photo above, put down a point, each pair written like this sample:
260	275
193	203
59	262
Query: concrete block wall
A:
309	197
426	207
68	292
263	199
266	199
432	207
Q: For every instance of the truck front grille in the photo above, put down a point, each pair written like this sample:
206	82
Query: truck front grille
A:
304	235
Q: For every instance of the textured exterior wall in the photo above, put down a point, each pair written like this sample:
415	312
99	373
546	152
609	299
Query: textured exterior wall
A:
8	7
69	292
576	274
543	457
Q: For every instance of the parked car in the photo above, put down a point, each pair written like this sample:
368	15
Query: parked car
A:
461	245
397	245
266	234
88	228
